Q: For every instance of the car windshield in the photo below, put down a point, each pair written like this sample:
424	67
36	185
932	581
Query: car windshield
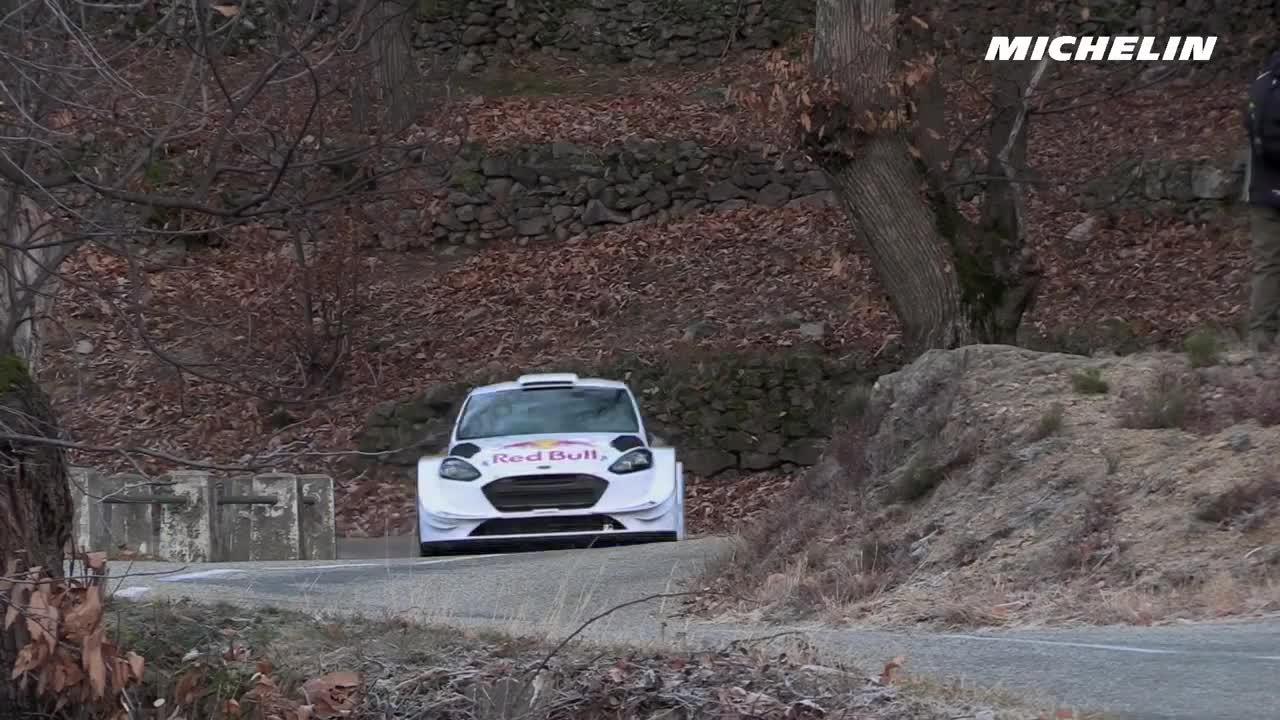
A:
550	410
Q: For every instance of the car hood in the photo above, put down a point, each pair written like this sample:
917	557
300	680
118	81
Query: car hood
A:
531	454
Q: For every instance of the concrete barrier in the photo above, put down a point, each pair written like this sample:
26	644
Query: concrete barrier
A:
194	516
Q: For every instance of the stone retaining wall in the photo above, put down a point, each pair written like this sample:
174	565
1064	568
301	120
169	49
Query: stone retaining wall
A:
562	190
470	33
1143	182
612	31
730	415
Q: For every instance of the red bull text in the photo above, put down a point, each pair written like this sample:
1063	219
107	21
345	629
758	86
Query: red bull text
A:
548	456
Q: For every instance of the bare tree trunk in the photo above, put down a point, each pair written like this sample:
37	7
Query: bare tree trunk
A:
1003	264
908	253
883	188
397	73
385	27
30	280
35	507
950	282
35	496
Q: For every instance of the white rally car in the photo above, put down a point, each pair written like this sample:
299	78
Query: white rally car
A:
549	457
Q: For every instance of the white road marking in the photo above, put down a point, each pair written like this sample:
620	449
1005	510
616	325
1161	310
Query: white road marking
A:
216	572
131	593
223	572
1099	646
316	567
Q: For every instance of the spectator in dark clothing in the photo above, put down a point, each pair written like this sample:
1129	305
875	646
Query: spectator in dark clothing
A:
1262	190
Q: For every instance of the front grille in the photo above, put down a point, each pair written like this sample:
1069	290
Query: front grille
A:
542	525
522	493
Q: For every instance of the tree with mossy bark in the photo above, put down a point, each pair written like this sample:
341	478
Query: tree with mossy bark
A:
870	108
871	111
872	115
90	157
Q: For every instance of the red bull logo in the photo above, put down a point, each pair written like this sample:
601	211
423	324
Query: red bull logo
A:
548	451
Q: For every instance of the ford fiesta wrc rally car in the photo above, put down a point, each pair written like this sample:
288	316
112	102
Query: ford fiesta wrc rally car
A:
548	458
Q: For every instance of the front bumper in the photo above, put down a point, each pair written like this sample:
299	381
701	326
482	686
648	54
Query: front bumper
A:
594	526
514	543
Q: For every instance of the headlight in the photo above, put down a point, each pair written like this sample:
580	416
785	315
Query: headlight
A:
461	470
636	460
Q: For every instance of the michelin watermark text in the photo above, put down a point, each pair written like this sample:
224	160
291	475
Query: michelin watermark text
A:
1120	48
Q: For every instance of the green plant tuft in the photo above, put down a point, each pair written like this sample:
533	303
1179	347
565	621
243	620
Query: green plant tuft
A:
1202	348
1090	382
13	372
917	481
1051	422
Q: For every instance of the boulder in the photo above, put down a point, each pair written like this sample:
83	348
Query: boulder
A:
807	451
597	213
707	462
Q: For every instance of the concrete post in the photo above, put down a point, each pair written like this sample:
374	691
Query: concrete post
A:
82	479
273	528
185	532
316	518
126	531
231	522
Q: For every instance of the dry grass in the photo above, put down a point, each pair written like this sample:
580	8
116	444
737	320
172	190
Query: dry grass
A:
978	693
969	520
1247	505
1169	401
203	659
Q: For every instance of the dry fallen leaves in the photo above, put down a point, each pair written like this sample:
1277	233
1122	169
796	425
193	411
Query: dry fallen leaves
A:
886	676
1197	262
190	686
63	645
334	695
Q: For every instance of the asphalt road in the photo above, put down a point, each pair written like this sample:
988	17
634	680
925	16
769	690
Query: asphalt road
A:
1219	671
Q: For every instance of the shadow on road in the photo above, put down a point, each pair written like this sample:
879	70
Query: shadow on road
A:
405	546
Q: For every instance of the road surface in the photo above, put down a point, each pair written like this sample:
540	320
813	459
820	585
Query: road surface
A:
1220	671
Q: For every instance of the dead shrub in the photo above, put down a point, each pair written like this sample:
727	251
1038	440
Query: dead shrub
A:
1094	542
1241	399
1246	505
969	549
1113	460
315	309
856	400
874	566
769	546
1169	401
848	447
818	505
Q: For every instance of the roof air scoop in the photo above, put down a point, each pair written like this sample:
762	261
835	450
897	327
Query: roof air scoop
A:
545	379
